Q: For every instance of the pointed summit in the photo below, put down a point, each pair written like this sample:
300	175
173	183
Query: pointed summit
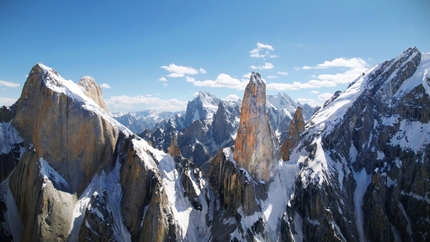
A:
255	148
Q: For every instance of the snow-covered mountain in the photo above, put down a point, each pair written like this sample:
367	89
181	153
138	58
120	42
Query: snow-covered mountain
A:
137	122
358	171
281	109
210	123
203	106
364	159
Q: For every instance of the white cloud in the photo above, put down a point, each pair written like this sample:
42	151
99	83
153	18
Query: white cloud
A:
125	103
190	79
353	63
8	84
264	46
271	77
309	101
179	71
256	53
283	73
105	86
266	66
325	96
348	71
343	62
300	85
315	92
223	80
231	97
203	71
162	79
344	77
355	66
4	101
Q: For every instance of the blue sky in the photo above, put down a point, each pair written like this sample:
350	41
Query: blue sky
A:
158	54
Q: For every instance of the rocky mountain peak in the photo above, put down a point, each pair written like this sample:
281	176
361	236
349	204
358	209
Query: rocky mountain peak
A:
255	148
203	106
61	123
297	125
256	78
93	91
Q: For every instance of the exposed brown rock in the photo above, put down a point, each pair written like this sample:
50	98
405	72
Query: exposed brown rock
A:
255	147
297	125
75	141
93	91
174	149
232	185
144	204
45	210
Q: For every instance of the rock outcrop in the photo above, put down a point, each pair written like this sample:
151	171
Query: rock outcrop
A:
359	171
57	127
223	125
93	91
297	125
74	150
255	146
364	178
144	203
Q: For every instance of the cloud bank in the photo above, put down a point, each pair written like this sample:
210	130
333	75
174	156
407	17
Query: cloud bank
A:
223	80
179	71
262	51
126	103
8	84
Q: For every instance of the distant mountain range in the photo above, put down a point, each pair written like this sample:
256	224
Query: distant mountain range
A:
356	170
209	123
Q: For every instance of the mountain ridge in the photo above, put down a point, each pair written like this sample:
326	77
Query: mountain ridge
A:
358	170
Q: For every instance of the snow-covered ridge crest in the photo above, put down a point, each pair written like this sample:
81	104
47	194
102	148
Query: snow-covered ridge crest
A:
49	174
256	78
9	137
376	77
388	81
356	153
58	84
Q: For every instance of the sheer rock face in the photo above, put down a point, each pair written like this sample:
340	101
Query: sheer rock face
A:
378	146
174	149
144	204
98	221
297	125
45	207
232	185
75	141
221	130
255	147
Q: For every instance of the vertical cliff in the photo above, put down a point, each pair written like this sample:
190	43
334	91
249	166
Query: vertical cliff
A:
255	147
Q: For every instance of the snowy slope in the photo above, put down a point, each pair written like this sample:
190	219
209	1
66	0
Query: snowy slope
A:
342	148
9	137
137	122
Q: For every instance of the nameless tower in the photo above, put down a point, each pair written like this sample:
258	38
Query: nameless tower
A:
255	148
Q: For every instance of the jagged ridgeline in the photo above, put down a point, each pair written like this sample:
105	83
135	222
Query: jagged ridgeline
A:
356	170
